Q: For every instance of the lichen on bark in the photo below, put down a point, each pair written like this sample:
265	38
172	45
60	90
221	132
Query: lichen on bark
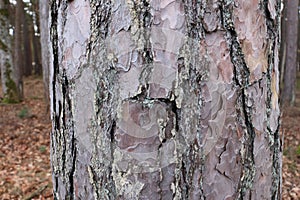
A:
11	94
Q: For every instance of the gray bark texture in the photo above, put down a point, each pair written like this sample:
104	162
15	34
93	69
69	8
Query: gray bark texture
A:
165	99
45	41
5	45
18	53
9	86
27	41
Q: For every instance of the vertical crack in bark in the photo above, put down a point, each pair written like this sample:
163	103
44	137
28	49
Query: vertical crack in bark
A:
73	168
64	86
220	161
184	183
54	40
68	138
276	180
274	136
99	22
103	135
55	189
177	112
112	147
94	181
248	174
192	73
241	77
102	131
73	155
63	132
55	122
58	133
195	12
192	70
112	131
63	16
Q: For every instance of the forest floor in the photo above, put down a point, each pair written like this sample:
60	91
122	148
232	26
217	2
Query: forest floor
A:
290	128
25	139
24	146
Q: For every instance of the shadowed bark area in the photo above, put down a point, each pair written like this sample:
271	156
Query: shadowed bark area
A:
5	43
18	66
165	99
27	41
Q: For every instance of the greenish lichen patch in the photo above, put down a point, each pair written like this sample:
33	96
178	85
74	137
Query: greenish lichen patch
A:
3	46
11	95
4	12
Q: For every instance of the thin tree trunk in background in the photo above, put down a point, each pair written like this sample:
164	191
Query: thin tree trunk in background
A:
282	53
298	49
45	41
165	99
27	45
9	84
38	68
5	45
291	36
18	58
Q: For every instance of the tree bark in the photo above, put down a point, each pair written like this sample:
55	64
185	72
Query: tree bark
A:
27	41
4	43
291	49
165	99
38	68
45	41
9	86
18	53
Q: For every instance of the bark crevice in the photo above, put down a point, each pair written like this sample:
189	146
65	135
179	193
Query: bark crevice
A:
241	77
273	27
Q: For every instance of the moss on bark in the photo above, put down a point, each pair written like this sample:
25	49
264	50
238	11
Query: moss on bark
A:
11	95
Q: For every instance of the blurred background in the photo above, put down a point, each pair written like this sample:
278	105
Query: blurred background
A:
24	100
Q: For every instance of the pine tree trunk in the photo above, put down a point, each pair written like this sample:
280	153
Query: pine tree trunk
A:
165	99
291	50
18	53
9	86
38	68
27	23
45	40
4	43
